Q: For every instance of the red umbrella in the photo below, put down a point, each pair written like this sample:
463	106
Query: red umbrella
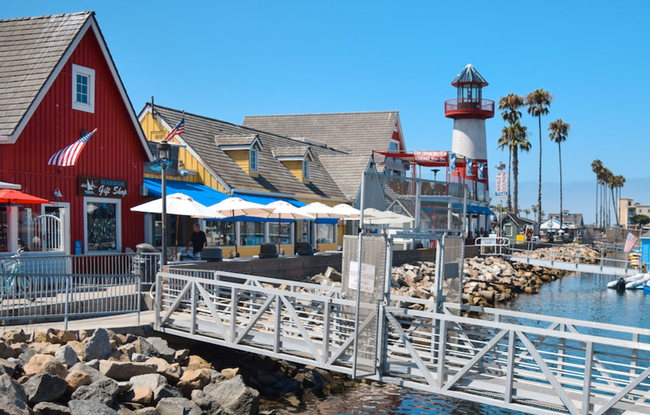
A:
16	197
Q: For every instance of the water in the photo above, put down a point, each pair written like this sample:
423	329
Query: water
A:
579	296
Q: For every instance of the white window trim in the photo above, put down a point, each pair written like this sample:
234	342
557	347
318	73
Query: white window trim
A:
90	73
118	224
250	160
305	169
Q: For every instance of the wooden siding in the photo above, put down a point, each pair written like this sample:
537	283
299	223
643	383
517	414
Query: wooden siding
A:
154	131
113	152
242	158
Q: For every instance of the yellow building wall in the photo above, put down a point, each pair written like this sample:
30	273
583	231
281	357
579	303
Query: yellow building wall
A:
295	167
154	131
241	157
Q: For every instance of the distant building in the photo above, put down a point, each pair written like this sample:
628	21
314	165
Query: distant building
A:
627	209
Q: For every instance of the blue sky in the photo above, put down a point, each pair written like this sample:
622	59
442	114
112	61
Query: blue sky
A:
230	59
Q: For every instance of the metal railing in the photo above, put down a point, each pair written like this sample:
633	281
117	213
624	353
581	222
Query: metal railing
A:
65	286
493	245
255	316
525	362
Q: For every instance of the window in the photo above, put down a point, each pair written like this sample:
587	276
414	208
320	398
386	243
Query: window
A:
83	88
253	159
102	224
305	169
393	146
285	233
251	233
219	233
326	233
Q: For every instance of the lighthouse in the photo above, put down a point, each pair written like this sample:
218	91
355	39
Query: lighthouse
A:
469	111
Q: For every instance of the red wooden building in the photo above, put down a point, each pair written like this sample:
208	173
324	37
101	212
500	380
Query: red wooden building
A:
58	81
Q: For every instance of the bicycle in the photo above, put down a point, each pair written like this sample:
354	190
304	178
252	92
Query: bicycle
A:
13	278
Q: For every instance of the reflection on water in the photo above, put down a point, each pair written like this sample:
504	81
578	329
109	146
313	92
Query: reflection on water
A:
579	296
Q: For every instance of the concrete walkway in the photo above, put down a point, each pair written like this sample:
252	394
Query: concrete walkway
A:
108	322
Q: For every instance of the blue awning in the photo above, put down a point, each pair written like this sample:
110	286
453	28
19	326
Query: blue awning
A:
203	194
481	210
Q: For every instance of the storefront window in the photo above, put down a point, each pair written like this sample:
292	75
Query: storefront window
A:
102	224
303	228
326	233
251	233
285	233
219	233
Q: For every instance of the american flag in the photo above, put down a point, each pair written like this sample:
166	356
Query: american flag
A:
179	129
630	241
69	155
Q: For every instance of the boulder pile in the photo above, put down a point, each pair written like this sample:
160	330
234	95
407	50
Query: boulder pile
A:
64	372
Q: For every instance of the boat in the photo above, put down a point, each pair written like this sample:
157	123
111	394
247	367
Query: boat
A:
646	287
630	283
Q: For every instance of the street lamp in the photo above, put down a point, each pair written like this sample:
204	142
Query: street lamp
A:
164	160
435	173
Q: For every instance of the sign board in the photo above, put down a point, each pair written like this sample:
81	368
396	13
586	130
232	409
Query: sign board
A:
95	187
77	248
367	277
501	192
488	241
430	157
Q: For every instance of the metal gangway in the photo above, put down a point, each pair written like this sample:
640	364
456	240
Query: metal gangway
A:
554	258
368	329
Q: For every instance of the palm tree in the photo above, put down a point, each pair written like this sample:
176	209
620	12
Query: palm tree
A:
504	142
509	105
538	103
559	133
604	179
596	167
534	209
517	134
527	212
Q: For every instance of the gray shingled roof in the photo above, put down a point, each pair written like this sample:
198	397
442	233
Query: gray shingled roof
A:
353	132
235	140
469	75
298	151
273	175
30	48
346	170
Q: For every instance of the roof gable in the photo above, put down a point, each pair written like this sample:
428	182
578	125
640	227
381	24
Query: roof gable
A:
33	52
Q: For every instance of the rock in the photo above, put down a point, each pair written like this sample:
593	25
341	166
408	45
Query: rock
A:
181	355
103	392
83	335
146	411
196	362
51	408
234	396
118	356
142	395
40	337
66	355
171	372
144	347
127	350
177	406
77	378
193	379
86	407
65	336
230	373
94	374
8	367
125	370
207	403
153	380
45	348
44	388
333	274
42	363
166	391
98	346
15	336
139	358
78	348
13	400
161	349
6	351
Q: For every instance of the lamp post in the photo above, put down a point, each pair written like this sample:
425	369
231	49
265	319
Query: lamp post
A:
435	173
164	159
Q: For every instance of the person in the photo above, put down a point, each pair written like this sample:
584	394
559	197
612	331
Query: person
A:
198	241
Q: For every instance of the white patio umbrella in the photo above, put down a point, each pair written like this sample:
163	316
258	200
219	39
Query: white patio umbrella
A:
320	209
236	206
385	217
282	209
347	210
178	204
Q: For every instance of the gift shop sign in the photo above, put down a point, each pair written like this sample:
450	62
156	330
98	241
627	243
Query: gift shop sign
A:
367	277
95	187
